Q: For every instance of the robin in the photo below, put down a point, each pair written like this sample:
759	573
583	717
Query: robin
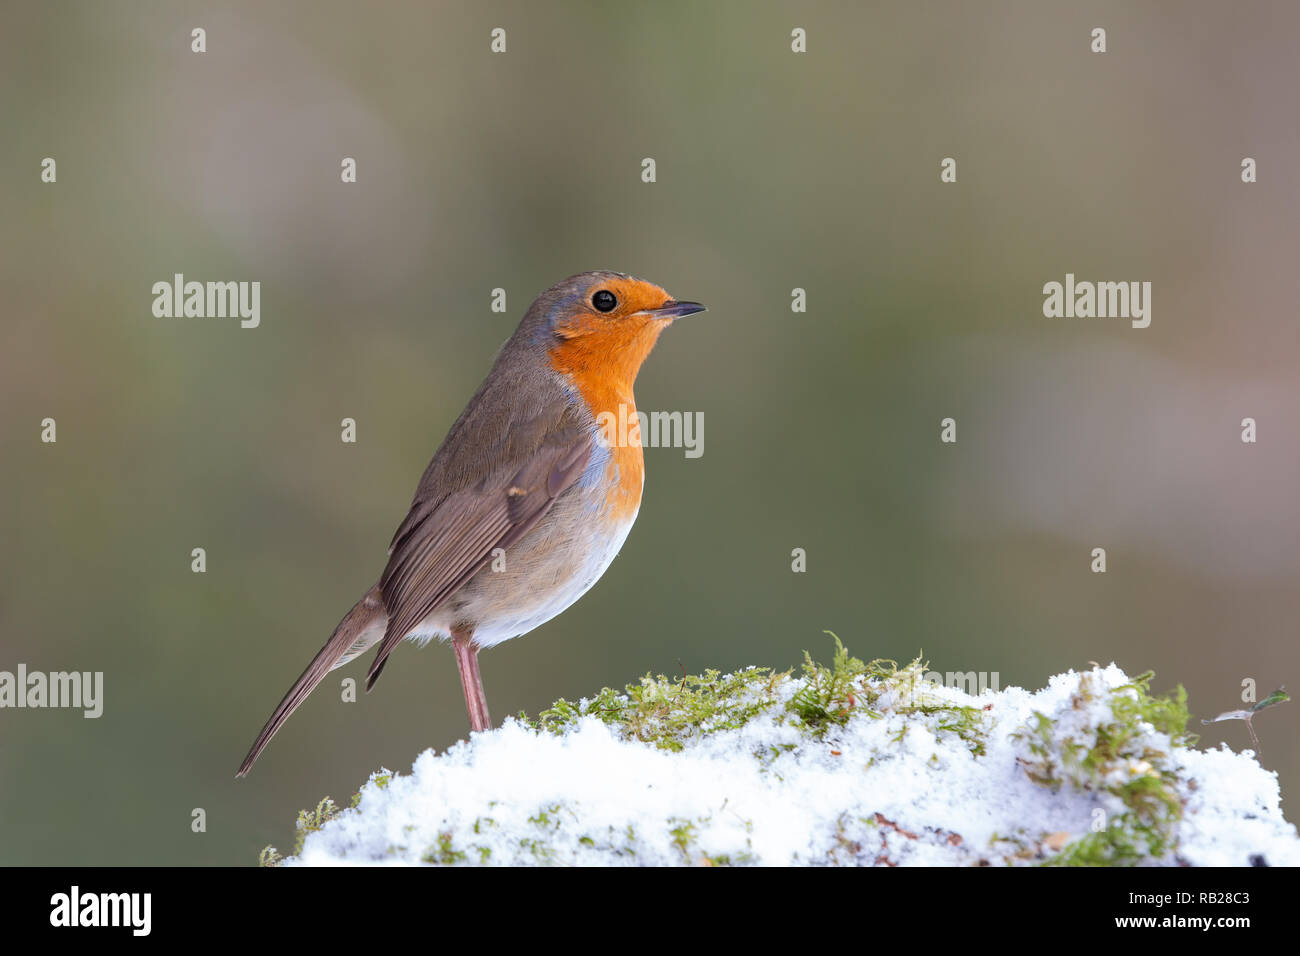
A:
527	500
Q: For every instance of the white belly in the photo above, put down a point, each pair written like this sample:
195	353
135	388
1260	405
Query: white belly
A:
535	609
533	586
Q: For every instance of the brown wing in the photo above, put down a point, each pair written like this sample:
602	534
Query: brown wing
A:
443	543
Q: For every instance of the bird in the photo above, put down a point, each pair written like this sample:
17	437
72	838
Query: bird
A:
527	500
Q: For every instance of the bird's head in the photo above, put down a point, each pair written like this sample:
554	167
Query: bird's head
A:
598	327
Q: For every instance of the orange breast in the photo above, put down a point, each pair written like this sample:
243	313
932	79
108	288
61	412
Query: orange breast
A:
602	363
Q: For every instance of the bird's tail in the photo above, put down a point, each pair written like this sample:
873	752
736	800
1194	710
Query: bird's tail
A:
360	628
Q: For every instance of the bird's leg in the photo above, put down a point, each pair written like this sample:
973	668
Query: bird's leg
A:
470	682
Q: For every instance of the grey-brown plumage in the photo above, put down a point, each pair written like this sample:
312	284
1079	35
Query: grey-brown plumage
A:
455	523
442	545
520	470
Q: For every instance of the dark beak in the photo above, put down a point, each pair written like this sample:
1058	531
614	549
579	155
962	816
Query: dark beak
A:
675	310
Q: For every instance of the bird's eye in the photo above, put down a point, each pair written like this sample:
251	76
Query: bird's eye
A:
604	301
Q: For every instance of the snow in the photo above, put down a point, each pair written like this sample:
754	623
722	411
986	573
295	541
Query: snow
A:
887	788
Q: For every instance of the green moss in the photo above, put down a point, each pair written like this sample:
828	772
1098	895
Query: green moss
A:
668	712
619	842
1118	759
309	821
444	852
833	694
1039	737
269	856
1018	846
1126	841
548	818
540	850
683	835
1115	757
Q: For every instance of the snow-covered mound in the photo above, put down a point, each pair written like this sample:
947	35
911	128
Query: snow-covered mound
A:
852	764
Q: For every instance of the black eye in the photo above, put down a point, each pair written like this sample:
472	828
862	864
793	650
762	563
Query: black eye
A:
604	301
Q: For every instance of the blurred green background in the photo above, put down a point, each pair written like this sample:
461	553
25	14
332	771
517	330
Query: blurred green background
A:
775	171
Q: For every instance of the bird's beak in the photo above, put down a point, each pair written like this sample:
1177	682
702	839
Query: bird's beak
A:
675	310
